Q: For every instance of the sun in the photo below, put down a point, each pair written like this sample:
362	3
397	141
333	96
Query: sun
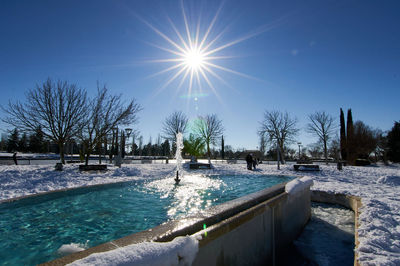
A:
194	59
194	54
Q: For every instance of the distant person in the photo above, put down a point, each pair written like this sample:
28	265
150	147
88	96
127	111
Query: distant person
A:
15	158
249	160
255	163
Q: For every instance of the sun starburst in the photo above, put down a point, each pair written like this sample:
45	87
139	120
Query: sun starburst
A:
194	55
194	59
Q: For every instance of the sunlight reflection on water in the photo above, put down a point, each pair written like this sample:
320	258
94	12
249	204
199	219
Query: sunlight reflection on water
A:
191	196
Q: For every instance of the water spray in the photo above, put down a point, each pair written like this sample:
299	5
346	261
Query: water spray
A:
178	155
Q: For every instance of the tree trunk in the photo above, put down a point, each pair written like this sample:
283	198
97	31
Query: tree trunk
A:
282	152
111	152
325	152
99	150
208	153
87	153
87	158
61	148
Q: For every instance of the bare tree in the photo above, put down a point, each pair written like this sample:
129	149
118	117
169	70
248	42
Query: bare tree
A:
174	123
58	108
314	149
210	129
280	127
322	125
105	112
263	143
334	148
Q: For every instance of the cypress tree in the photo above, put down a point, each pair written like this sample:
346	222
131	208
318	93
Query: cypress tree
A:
343	151
350	138
394	143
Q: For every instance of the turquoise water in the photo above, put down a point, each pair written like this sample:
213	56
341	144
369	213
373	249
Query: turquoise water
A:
33	230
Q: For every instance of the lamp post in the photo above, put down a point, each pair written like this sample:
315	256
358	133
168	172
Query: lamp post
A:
299	143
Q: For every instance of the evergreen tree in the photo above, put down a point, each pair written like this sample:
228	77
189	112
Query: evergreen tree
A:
343	151
3	142
222	148
194	145
165	147
123	142
140	147
394	143
23	143
351	155
12	142
36	141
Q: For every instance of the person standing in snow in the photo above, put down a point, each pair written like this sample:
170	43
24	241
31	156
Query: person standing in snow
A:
15	158
255	163
249	160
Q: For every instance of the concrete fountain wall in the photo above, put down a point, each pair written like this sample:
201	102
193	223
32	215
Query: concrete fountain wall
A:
258	235
251	230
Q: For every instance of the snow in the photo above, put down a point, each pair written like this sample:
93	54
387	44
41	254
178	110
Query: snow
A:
180	251
298	185
390	180
71	248
378	186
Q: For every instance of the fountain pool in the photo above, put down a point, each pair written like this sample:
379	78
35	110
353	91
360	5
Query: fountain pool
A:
33	230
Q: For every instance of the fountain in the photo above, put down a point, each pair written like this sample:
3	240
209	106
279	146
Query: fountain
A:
178	155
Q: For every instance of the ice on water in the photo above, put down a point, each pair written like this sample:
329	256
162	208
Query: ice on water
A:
328	239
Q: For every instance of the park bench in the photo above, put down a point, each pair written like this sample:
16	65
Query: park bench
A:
231	161
306	167
74	161
196	165
93	167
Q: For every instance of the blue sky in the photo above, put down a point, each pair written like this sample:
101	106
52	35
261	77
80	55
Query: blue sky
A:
300	57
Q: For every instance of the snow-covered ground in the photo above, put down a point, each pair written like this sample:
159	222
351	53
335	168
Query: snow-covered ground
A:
378	186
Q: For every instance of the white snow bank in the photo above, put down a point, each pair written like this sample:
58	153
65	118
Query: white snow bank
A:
298	184
180	251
